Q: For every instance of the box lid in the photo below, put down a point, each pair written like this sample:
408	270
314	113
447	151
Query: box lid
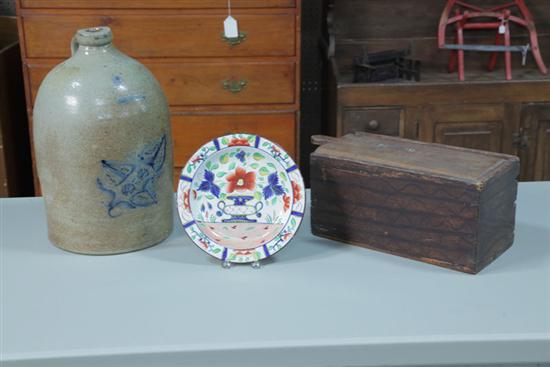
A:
460	164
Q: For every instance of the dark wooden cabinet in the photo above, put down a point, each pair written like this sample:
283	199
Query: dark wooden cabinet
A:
534	142
485	112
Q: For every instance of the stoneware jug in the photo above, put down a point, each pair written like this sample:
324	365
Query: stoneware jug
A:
103	150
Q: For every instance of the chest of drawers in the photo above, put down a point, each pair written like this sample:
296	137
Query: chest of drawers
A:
214	85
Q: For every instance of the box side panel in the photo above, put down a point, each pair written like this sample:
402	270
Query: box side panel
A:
497	215
424	218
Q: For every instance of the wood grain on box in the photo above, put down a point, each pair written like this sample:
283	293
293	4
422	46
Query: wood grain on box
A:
211	82
439	204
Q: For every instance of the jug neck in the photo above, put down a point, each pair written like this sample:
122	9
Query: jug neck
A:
88	40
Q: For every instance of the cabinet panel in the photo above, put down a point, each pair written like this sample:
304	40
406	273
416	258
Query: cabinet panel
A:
174	35
474	135
385	121
535	127
484	126
542	162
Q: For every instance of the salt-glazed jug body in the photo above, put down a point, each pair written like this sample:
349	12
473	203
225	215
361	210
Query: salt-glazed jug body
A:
103	150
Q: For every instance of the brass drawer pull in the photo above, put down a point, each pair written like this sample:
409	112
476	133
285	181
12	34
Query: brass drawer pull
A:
234	86
234	41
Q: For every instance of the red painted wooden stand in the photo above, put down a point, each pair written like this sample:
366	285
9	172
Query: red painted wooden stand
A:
464	18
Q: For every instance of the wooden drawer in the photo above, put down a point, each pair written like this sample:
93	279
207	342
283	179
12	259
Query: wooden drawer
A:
156	4
203	83
188	84
190	132
168	35
385	121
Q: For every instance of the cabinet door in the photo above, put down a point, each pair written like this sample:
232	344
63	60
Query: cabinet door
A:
485	126
535	126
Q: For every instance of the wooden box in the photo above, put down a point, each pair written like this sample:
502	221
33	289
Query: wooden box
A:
485	112
443	205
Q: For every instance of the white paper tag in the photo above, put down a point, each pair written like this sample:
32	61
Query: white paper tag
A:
502	29
230	27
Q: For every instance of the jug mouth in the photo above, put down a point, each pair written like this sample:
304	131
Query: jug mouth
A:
94	36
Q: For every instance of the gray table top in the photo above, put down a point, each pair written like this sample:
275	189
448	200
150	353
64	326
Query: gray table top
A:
317	303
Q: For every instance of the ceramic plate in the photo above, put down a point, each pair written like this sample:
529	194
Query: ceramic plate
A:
241	198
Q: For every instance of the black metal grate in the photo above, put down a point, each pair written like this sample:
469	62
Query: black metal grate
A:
313	79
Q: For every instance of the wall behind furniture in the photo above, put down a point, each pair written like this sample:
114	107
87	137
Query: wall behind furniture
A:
7	7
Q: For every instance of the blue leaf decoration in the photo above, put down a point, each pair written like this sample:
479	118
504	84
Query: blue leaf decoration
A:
209	176
273	179
215	190
205	186
268	192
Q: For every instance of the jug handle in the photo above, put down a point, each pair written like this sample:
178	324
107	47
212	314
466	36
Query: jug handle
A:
74	45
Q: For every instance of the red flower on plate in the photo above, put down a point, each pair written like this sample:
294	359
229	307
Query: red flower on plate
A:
241	180
238	142
286	200
296	191
186	205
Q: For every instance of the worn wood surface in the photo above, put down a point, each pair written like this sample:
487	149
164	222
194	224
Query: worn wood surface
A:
181	42
455	218
468	165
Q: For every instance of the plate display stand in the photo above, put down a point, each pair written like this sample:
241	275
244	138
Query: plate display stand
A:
255	264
